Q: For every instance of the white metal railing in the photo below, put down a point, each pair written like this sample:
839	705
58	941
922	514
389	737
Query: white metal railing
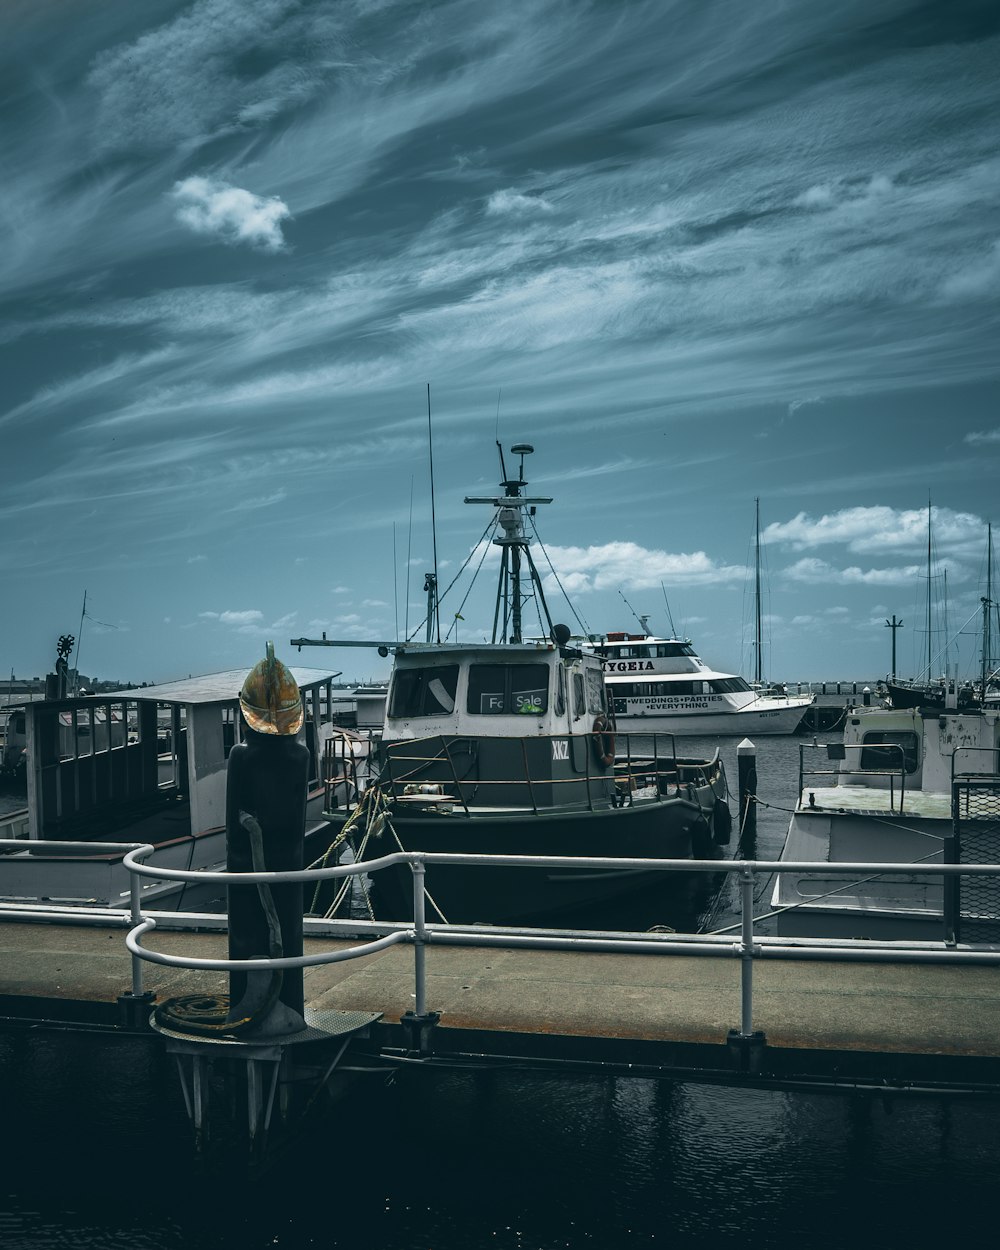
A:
746	948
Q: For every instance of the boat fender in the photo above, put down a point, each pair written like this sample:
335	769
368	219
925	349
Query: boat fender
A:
603	740
722	823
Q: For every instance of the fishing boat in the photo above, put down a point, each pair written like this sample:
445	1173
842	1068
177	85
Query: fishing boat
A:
907	786
509	747
144	765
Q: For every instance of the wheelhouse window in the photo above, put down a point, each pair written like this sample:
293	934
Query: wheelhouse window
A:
502	689
579	695
424	691
671	650
883	750
729	685
595	690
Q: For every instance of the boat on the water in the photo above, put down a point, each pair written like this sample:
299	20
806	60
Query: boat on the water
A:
908	786
509	747
661	685
145	765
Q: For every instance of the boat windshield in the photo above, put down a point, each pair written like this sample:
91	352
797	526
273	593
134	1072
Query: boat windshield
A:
498	689
729	685
424	691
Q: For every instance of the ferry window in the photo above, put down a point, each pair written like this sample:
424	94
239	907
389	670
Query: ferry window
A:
636	653
424	691
579	698
671	650
595	690
887	755
682	687
729	685
495	689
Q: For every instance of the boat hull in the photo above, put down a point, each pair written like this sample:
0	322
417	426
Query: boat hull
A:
670	828
750	721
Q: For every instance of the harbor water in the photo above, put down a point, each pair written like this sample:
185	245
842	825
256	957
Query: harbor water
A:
96	1149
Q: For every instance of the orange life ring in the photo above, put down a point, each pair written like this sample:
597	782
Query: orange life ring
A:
603	740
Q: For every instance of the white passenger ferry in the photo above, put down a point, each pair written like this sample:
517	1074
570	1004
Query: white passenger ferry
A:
661	685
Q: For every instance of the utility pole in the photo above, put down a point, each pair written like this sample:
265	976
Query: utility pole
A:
894	625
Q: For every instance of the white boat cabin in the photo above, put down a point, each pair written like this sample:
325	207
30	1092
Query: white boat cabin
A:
102	762
492	690
886	747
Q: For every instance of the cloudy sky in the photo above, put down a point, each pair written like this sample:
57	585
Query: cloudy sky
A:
696	252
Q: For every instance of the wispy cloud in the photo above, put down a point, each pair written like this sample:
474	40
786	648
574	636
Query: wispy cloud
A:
980	437
244	616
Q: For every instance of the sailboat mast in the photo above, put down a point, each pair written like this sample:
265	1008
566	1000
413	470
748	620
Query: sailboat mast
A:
987	619
759	664
929	659
433	586
79	643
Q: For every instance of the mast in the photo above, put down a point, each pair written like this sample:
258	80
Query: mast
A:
515	557
431	582
987	619
79	642
929	659
759	663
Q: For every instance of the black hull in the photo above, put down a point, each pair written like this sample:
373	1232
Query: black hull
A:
671	828
933	697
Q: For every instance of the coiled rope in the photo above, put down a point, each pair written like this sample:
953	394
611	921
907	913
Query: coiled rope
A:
207	1014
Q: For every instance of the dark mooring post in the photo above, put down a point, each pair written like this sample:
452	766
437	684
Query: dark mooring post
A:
746	760
266	787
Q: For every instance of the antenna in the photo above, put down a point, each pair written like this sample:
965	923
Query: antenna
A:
642	620
670	616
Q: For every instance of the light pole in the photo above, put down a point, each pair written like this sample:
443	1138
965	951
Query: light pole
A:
894	625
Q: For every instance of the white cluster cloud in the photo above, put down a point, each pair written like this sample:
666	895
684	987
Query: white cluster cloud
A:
615	564
881	529
230	213
820	573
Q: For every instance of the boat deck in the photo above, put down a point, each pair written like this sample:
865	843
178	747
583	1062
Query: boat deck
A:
873	801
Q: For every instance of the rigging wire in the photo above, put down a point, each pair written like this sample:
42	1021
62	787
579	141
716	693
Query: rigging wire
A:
583	625
490	525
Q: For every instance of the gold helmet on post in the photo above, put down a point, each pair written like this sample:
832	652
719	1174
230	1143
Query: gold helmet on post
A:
270	699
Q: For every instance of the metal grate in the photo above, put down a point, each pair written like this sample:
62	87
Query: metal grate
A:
976	813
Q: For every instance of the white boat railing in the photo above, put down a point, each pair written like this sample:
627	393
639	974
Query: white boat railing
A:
838	751
747	946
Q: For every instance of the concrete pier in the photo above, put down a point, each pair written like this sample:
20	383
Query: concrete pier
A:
886	1022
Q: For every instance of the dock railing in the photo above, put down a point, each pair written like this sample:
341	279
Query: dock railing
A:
747	947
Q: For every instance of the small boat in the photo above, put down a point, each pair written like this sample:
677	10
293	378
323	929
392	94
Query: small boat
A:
509	747
661	685
144	765
908	786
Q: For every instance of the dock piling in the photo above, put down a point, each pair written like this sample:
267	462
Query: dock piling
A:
746	758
